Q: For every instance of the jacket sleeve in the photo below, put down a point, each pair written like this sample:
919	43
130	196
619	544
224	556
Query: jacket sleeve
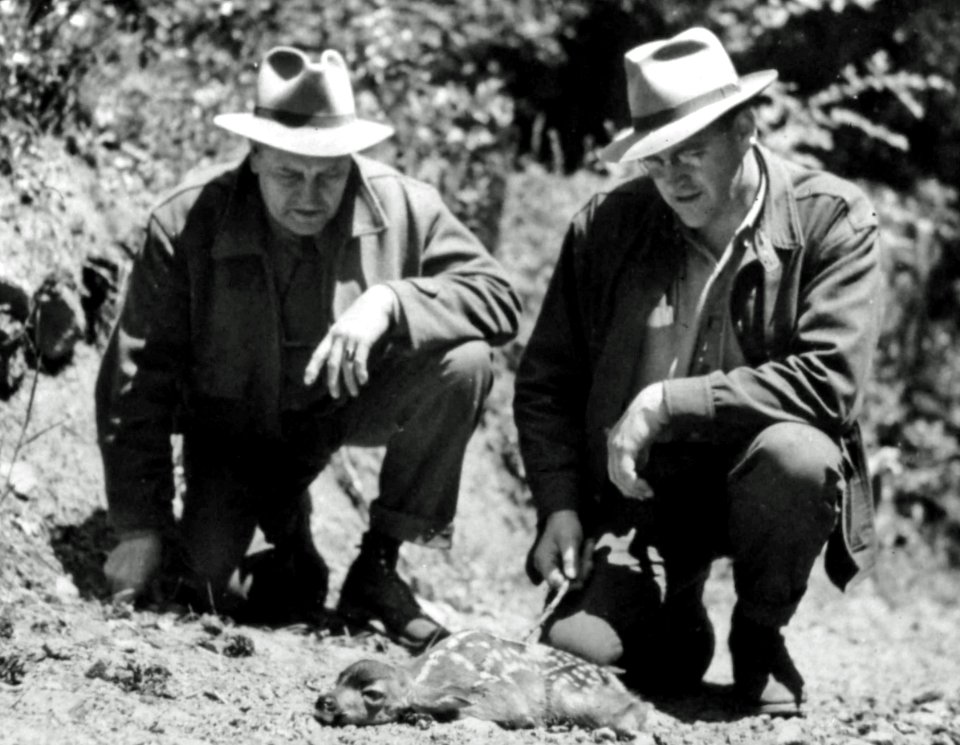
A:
820	379
552	384
138	387
459	291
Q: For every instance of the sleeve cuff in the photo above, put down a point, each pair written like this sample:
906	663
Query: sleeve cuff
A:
689	405
553	492
411	294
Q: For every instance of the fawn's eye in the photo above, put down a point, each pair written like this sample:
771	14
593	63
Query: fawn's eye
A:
373	696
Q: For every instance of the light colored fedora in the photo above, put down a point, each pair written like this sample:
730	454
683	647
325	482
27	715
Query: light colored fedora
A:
675	88
305	107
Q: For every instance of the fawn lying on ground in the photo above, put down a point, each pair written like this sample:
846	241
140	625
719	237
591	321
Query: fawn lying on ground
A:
476	674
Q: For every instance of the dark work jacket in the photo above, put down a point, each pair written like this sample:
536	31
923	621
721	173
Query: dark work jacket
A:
199	335
805	306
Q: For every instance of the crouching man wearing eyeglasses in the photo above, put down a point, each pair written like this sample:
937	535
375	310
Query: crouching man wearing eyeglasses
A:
692	386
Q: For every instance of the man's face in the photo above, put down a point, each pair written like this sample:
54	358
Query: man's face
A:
302	194
701	177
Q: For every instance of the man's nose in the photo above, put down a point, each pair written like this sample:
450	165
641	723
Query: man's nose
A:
311	192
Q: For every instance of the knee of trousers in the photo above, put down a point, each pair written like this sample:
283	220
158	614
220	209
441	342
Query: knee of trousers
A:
466	374
469	363
588	637
787	465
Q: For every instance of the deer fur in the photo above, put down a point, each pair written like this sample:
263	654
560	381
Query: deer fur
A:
479	675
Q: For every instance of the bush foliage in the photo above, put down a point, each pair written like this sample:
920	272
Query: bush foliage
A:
867	88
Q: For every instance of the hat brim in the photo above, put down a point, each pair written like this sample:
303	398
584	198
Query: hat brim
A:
315	142
632	145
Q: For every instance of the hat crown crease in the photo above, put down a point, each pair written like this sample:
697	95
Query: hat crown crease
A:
290	83
668	74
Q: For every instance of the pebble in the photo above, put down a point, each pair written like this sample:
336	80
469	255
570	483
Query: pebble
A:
926	719
927	696
884	734
65	589
604	734
22	480
791	733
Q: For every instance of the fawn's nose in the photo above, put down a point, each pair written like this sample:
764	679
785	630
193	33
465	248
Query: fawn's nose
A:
326	709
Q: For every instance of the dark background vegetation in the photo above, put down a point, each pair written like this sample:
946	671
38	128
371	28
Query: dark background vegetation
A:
480	89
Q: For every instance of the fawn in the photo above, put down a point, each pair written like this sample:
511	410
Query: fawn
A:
476	674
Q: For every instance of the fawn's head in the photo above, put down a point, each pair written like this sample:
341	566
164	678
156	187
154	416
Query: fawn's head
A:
367	692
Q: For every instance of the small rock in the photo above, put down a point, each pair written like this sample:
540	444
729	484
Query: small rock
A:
604	734
927	696
163	623
21	478
65	590
791	733
56	651
211	624
926	720
884	734
238	645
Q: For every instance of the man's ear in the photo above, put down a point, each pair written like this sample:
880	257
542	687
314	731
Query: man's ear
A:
745	124
255	155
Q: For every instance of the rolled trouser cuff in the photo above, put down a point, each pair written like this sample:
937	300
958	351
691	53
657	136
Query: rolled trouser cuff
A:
411	528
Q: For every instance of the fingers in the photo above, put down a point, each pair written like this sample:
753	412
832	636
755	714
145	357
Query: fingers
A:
334	360
555	578
570	562
625	457
338	358
317	361
547	560
354	367
343	354
586	562
556	556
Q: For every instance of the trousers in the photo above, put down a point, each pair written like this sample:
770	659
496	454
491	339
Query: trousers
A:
423	407
770	504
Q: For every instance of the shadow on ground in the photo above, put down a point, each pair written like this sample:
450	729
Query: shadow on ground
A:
82	548
710	703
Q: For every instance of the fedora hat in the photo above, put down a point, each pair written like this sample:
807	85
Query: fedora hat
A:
305	107
675	88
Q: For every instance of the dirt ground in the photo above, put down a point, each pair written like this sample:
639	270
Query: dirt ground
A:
882	662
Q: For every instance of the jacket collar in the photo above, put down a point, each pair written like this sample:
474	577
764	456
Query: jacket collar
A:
243	228
780	220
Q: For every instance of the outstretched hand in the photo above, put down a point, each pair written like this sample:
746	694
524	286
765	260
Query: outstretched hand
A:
629	441
343	354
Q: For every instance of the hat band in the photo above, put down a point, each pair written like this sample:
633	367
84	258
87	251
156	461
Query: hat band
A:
292	119
668	116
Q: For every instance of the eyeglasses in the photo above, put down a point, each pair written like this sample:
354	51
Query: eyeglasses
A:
691	158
